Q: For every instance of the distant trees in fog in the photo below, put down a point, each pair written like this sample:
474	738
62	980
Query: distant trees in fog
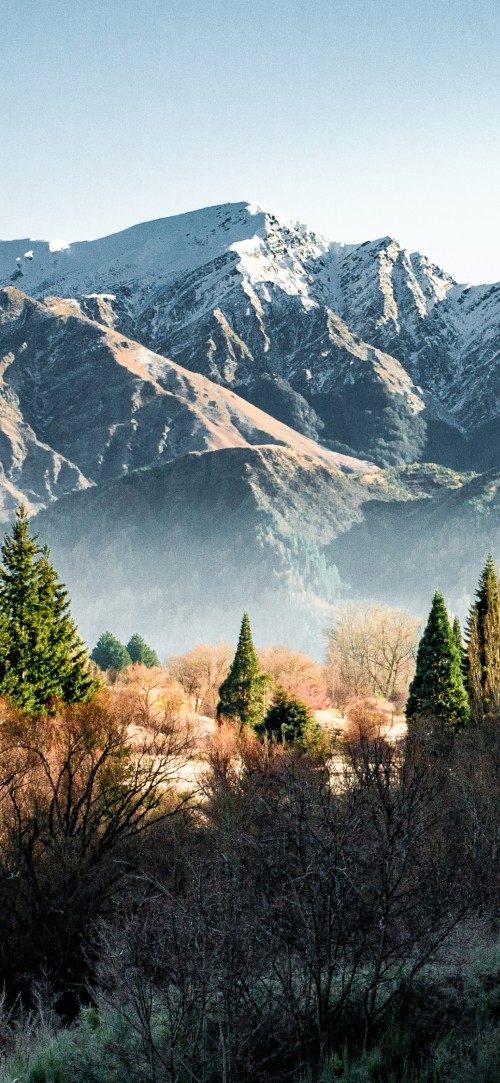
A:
110	654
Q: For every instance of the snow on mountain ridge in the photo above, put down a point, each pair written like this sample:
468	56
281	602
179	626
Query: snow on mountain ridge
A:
269	247
238	290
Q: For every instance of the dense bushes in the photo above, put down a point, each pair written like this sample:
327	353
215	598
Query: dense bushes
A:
299	920
75	795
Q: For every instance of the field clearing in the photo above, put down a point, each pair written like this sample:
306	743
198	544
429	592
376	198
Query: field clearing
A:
188	770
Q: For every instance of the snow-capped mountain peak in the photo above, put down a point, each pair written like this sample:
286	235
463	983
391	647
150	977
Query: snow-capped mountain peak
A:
238	292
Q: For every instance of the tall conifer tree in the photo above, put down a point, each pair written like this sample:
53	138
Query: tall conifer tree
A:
457	634
241	695
42	658
437	690
483	648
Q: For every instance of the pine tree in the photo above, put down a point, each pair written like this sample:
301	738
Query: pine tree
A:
483	648
457	634
288	720
437	690
110	653
241	695
140	652
42	658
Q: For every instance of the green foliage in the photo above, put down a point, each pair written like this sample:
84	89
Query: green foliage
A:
139	651
241	695
288	720
483	648
42	658
457	634
437	690
97	1049
109	653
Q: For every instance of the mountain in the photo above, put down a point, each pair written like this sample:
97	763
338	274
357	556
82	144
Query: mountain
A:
181	550
397	361
80	404
407	549
223	411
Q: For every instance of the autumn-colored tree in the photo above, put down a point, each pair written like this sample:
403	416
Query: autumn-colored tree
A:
299	675
153	695
73	791
201	672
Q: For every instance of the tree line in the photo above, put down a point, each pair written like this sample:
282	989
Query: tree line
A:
297	912
458	684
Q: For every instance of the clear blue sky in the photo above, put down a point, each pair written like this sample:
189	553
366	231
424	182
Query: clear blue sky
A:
359	117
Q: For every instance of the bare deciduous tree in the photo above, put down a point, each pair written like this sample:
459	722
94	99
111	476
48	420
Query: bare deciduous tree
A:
74	794
371	650
151	694
201	672
298	674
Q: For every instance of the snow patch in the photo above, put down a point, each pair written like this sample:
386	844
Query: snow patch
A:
99	296
57	245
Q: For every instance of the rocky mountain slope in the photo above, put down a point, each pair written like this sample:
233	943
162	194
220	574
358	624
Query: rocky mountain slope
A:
182	549
216	411
398	361
400	552
80	404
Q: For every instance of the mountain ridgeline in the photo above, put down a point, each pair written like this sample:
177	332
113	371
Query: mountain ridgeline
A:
225	410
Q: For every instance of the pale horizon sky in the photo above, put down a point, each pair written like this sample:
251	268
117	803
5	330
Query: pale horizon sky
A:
361	118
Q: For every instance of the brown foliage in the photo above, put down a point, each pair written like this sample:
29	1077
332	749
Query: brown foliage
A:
74	796
153	696
201	672
298	674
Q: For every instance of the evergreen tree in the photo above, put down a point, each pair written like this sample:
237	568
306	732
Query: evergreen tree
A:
483	648
437	690
241	695
457	634
109	653
42	658
288	720
140	652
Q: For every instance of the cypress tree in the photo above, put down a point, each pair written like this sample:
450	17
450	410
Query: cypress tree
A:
457	634
110	653
437	690
241	695
42	658
140	652
482	660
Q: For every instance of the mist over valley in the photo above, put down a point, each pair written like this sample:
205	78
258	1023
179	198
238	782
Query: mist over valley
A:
225	411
